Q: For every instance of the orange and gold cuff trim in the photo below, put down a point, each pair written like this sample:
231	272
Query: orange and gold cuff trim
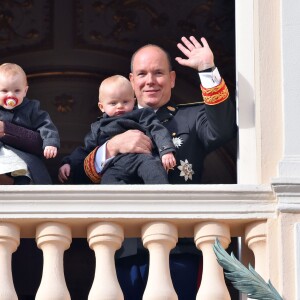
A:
89	167
215	95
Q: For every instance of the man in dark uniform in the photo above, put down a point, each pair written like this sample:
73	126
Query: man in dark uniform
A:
117	102
196	130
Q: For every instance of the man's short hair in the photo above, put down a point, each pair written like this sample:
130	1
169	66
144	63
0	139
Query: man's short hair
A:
152	45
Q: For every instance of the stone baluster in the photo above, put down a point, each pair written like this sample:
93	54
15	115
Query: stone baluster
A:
53	239
159	238
9	242
105	238
255	238
213	286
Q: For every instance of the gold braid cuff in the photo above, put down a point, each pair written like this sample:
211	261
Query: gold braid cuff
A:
215	95
89	167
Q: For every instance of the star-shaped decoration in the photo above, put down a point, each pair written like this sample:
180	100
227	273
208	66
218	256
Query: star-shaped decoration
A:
186	170
177	141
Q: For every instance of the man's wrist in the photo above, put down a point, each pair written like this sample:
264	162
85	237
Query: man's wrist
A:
111	150
211	69
210	79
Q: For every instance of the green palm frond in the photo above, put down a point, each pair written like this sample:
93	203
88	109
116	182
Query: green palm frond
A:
248	282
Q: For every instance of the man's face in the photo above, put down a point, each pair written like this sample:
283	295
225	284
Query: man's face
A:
151	77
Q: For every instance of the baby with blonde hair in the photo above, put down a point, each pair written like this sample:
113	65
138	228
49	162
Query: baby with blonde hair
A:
17	166
117	102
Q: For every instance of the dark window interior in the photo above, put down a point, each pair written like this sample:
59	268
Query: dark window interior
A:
68	47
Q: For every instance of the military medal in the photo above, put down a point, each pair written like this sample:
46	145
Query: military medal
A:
177	141
186	170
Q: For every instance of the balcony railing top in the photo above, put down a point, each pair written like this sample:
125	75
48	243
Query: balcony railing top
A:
185	205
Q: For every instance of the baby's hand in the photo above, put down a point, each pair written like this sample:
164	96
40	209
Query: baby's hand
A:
168	161
50	152
64	173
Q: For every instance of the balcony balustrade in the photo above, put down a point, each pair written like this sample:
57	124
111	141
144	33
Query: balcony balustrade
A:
105	215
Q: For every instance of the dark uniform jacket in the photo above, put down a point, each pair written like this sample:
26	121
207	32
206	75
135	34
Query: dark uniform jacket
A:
196	129
29	115
144	120
106	127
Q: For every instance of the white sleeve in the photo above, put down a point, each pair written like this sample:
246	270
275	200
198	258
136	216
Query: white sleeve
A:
210	79
100	158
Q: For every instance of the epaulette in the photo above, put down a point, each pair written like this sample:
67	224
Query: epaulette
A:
190	104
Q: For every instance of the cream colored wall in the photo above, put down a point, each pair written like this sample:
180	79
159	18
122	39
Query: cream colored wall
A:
284	235
247	156
284	238
286	264
259	89
273	251
268	87
290	29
